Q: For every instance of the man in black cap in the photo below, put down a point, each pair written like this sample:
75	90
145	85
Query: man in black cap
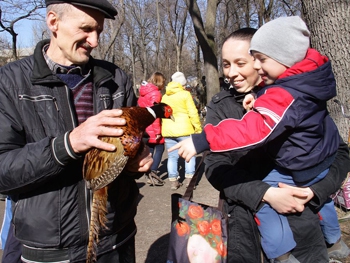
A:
54	107
101	5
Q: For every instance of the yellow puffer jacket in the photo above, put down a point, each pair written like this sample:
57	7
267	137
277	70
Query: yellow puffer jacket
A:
184	111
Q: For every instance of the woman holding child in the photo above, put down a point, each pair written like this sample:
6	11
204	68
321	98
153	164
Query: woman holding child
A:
238	175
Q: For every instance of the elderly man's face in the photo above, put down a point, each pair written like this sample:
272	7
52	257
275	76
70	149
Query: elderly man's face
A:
76	34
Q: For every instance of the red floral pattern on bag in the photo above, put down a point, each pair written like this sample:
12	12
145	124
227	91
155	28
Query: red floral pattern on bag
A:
203	228
216	227
221	248
195	211
183	228
199	222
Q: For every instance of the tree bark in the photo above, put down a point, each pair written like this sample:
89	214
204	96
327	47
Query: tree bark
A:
205	35
329	24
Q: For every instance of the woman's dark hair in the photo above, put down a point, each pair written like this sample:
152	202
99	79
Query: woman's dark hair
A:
245	33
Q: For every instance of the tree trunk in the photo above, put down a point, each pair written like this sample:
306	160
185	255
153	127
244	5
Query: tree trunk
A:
329	24
198	61
205	36
177	29
133	61
14	47
158	36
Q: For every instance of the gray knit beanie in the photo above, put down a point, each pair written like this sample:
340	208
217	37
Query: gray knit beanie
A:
285	39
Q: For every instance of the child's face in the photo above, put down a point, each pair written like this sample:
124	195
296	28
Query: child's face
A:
268	68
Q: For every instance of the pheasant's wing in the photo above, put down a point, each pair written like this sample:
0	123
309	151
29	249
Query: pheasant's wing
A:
101	167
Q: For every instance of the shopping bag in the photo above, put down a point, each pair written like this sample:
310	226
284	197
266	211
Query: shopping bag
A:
198	231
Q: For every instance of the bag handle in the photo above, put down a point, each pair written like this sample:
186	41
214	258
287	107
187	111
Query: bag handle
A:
192	185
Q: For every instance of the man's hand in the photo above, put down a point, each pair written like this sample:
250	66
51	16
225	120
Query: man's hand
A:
284	200
86	135
185	148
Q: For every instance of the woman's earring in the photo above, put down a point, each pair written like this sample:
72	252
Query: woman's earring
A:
227	81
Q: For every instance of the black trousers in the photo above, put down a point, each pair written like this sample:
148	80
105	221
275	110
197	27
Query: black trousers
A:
13	249
122	254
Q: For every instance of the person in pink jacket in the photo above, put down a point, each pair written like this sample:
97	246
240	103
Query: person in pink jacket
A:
150	93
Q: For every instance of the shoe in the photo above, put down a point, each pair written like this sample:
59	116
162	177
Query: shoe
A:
338	250
188	178
287	258
3	197
154	179
187	181
175	185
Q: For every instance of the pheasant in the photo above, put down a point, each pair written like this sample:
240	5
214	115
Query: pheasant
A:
100	168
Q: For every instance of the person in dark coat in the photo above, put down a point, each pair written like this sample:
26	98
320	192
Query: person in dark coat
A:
55	105
238	175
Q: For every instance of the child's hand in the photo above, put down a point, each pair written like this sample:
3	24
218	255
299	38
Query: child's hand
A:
185	149
248	101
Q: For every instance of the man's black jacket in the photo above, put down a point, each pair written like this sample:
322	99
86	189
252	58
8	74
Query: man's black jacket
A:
38	167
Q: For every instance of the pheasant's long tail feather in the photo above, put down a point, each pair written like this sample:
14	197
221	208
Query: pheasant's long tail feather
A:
98	220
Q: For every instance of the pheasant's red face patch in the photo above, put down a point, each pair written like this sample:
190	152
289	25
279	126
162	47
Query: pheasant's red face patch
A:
168	111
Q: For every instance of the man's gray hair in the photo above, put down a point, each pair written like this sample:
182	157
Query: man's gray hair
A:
59	9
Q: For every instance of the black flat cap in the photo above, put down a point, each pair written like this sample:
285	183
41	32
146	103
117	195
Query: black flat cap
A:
101	5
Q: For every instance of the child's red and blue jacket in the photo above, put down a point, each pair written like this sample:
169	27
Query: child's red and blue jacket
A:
290	119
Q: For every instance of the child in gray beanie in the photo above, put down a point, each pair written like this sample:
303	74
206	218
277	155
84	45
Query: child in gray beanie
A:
285	40
290	119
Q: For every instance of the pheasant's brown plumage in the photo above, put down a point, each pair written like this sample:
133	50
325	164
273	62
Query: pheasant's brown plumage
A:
101	167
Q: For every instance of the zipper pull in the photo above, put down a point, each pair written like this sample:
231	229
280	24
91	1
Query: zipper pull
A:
104	99
56	104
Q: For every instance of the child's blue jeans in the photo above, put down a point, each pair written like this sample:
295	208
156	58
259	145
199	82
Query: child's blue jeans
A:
276	235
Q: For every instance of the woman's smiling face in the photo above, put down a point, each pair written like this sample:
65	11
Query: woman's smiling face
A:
238	65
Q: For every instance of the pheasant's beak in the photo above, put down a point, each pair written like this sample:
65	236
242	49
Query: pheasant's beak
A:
172	117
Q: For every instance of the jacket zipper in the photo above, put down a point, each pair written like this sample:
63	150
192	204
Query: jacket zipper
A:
104	98
39	98
86	191
101	96
74	124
